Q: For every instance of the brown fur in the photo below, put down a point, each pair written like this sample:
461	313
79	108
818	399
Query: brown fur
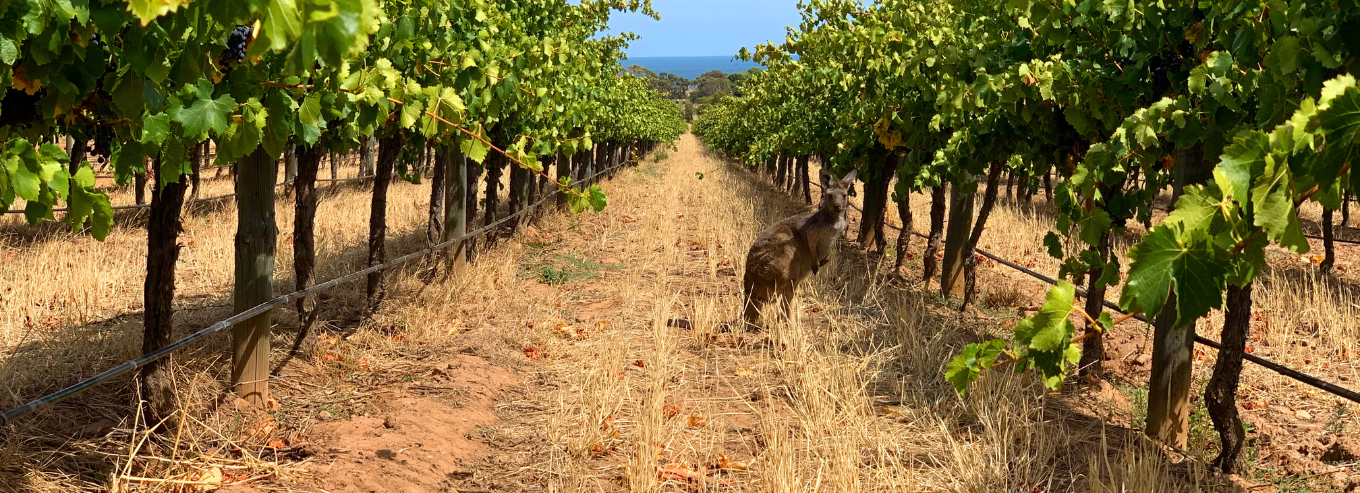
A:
786	252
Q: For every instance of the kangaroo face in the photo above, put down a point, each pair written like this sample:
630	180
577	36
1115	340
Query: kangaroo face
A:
835	199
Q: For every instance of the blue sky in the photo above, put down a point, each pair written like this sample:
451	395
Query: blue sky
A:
706	27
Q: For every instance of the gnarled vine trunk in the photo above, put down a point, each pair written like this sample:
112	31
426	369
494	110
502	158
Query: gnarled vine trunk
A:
1220	395
936	239
389	148
434	232
304	243
969	259
804	180
1328	247
162	253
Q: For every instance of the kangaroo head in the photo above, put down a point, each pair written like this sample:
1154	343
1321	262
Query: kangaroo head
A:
835	200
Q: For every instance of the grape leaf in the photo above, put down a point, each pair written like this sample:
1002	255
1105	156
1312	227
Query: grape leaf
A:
1286	51
1049	329
474	149
1171	258
968	365
1197	208
1273	202
207	114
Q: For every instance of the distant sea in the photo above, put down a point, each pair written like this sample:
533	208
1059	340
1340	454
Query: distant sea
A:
690	67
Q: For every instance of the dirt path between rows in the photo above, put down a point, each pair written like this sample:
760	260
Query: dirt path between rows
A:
593	353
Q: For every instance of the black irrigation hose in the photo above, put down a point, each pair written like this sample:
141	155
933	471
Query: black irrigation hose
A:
1316	382
1276	367
205	199
47	400
1334	240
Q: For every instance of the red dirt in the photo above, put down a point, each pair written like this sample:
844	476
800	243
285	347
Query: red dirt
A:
417	443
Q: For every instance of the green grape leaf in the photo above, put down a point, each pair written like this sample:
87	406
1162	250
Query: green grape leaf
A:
474	149
84	177
78	208
1049	328
1197	208
1094	226
1273	202
1054	244
1241	161
207	114
9	51
1341	118
148	10
411	113
1286	51
1171	258
101	222
598	200
35	212
282	23
155	129
310	111
965	368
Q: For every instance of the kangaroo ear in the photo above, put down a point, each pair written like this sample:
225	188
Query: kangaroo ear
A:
825	177
849	178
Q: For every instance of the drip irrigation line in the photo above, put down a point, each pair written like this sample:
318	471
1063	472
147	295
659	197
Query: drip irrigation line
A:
1334	239
205	199
50	399
1299	376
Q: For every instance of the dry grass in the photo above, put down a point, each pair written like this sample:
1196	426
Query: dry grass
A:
1304	320
72	308
849	397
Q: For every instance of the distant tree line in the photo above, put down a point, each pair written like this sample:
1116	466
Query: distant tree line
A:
697	92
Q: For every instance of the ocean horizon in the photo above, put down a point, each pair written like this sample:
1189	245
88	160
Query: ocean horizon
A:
690	67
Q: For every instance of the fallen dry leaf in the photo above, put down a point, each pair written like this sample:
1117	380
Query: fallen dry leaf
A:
676	472
276	444
724	463
212	479
697	420
669	410
532	352
640	364
262	429
569	331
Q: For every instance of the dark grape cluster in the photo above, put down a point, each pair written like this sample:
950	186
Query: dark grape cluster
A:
1161	67
1167	65
103	137
95	40
236	45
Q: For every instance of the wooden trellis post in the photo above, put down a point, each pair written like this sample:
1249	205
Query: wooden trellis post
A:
256	245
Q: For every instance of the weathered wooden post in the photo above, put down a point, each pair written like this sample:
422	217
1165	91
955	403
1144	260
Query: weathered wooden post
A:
450	157
256	245
959	227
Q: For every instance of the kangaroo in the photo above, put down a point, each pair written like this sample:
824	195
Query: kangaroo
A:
785	253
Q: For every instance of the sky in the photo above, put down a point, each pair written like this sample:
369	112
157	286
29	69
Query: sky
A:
706	27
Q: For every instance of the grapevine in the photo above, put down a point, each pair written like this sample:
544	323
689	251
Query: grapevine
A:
1122	99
